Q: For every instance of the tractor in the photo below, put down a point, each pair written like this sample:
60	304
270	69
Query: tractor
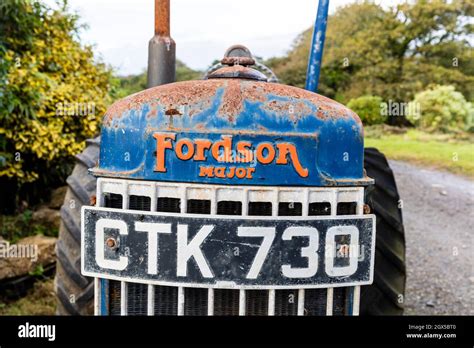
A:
230	195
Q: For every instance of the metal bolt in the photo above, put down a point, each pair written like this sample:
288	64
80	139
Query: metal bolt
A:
366	209
111	243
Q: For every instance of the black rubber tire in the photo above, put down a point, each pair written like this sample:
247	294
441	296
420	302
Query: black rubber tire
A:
386	295
74	292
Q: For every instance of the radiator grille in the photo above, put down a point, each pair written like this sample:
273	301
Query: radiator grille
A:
168	205
226	302
124	298
166	300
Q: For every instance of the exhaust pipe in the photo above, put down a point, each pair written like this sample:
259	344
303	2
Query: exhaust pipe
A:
161	48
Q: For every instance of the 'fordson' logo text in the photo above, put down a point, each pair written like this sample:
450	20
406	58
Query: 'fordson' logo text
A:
225	151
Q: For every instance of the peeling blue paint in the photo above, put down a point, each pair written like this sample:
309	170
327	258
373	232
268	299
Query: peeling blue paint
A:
329	142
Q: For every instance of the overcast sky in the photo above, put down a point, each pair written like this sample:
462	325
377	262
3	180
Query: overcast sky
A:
202	29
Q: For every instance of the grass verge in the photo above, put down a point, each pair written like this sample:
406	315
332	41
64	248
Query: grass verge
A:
40	300
451	152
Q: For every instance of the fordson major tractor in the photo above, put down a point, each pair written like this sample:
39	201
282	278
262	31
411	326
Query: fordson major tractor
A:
230	195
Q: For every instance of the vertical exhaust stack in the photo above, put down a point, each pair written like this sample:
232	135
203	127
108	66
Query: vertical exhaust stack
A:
161	48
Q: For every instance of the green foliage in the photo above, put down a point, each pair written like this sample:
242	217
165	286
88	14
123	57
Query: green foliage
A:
185	73
393	53
53	92
451	152
131	84
441	108
369	108
14	228
38	271
135	83
40	300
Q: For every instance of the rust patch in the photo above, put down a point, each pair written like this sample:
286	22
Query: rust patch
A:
327	108
171	112
232	101
195	95
238	61
189	98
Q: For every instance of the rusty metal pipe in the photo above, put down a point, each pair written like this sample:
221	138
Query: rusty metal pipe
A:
161	48
162	18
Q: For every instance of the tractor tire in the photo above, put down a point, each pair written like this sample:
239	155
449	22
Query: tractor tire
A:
386	295
74	292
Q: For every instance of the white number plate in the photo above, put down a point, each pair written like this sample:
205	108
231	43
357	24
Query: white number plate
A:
227	251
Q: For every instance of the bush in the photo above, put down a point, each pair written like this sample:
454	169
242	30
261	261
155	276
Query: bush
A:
441	108
53	93
369	109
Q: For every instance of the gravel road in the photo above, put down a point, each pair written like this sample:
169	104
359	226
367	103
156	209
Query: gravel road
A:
438	213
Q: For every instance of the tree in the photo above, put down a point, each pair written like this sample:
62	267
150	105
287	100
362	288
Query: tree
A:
53	93
369	108
393	53
441	108
135	83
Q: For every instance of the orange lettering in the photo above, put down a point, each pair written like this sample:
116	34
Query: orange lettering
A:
284	149
201	146
231	172
161	145
225	144
220	172
250	171
179	149
206	171
270	156
240	173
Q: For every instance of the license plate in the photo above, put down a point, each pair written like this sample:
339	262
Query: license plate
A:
227	251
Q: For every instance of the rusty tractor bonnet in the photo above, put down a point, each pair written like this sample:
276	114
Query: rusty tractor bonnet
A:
232	128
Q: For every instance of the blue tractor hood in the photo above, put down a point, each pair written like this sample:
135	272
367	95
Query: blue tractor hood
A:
237	131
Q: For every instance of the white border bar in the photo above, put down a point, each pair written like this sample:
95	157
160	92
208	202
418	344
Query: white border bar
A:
242	302
301	302
271	302
180	300
210	301
329	301
151	300
123	298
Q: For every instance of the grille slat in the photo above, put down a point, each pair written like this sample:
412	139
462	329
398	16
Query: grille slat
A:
346	208
226	302
256	302
290	209
166	300
137	299
114	297
260	209
315	302
198	206
286	302
229	208
139	203
168	205
195	301
319	208
113	200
